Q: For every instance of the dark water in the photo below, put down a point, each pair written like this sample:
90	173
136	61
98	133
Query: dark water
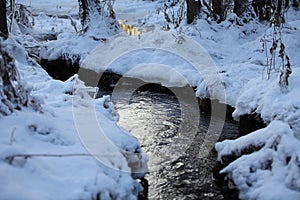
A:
178	167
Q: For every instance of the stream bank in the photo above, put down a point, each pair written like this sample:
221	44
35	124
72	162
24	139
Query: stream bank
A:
186	176
178	169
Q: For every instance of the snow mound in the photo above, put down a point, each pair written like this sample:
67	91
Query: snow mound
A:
272	172
68	46
272	102
172	58
42	156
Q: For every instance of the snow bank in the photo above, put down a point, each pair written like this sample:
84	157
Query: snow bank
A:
267	98
72	42
159	56
272	172
42	156
72	46
134	13
68	46
273	102
52	7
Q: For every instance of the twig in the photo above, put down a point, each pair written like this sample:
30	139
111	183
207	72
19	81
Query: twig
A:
12	136
96	179
10	158
73	23
12	7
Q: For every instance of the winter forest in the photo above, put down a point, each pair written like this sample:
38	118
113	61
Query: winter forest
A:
149	99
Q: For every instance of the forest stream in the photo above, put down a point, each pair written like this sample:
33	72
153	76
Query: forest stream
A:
177	170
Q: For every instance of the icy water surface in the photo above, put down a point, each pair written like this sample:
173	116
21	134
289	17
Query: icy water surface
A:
178	168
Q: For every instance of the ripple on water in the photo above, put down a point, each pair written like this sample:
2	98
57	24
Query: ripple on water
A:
176	170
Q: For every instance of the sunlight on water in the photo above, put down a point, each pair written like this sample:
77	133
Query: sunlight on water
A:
130	30
175	170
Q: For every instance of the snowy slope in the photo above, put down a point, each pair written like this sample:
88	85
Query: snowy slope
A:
136	11
272	102
51	7
269	173
236	51
241	60
273	171
53	163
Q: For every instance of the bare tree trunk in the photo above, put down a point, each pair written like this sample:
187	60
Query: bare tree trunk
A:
264	8
240	7
278	13
84	11
91	11
295	4
218	10
3	19
279	7
193	9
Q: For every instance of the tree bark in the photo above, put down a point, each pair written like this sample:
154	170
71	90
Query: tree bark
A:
89	10
264	9
295	4
279	7
240	7
86	9
218	10
193	9
83	11
3	20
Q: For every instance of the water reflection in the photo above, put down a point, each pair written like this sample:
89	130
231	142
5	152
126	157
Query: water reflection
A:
176	172
129	29
134	30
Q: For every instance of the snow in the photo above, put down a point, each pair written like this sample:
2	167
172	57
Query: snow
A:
48	18
56	160
137	10
275	165
68	45
271	102
52	7
136	57
186	62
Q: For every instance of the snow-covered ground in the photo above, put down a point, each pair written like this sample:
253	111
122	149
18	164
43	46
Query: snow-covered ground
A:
42	154
136	11
66	7
269	173
236	50
240	62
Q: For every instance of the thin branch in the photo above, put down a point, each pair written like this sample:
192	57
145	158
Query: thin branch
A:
96	178
11	158
12	7
12	136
